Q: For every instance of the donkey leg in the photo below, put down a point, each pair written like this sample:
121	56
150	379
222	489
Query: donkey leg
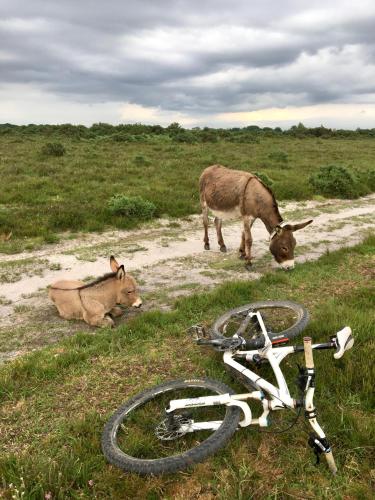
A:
242	246
94	313
68	311
107	321
247	223
65	314
116	311
98	320
205	224
220	240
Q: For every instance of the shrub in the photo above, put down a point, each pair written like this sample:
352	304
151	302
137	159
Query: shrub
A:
208	136
119	137
243	138
174	128
53	149
185	136
278	156
265	179
131	206
336	181
141	160
369	178
51	238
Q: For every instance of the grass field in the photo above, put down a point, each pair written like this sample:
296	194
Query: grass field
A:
44	195
54	402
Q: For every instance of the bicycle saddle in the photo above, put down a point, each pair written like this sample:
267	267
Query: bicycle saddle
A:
344	341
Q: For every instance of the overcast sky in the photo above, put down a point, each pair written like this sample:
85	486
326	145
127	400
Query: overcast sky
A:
207	62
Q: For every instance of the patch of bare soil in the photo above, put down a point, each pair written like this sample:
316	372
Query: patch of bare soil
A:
167	259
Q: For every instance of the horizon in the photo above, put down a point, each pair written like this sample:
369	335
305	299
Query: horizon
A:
197	128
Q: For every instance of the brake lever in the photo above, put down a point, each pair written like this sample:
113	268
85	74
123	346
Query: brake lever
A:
229	344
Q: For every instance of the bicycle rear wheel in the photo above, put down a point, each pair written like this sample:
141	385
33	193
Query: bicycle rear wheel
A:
141	438
283	320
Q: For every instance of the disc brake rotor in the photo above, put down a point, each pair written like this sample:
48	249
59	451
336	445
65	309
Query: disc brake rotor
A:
174	428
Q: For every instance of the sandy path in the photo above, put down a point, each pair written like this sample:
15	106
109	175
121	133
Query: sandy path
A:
168	257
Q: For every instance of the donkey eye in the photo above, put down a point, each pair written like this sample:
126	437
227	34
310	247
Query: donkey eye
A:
130	291
284	249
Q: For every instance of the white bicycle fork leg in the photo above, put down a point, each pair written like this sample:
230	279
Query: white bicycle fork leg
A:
222	399
321	443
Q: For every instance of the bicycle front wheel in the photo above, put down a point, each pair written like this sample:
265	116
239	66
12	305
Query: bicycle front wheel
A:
140	437
283	320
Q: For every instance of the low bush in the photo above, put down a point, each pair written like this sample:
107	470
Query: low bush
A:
337	181
208	136
368	177
278	156
265	179
53	149
186	136
141	160
119	137
243	138
131	206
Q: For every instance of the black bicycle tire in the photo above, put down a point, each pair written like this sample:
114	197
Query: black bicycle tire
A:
177	462
302	321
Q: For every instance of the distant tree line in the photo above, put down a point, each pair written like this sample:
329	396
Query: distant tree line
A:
177	133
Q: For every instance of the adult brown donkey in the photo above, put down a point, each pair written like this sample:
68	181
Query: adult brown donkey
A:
95	301
230	193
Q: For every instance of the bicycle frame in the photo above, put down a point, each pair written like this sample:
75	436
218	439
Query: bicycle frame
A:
278	397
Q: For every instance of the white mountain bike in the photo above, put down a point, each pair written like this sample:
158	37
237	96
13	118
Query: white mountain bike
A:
176	424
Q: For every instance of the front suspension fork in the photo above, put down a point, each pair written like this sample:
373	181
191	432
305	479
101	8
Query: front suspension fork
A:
318	440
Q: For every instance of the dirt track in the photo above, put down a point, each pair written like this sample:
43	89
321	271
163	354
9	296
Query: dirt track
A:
167	258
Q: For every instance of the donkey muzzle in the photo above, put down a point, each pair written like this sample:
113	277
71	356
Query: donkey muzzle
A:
287	264
137	303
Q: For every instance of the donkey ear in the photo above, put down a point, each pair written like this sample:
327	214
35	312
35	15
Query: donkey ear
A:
295	227
120	273
113	263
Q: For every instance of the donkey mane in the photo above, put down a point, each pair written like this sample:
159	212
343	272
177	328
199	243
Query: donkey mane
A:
274	202
105	277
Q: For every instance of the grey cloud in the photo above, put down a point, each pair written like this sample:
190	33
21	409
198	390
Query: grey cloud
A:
92	51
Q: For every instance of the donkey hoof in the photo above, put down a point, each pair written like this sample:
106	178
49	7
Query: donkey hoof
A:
241	256
223	248
107	322
207	246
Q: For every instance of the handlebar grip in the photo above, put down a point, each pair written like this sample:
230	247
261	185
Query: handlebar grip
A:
309	360
331	462
213	342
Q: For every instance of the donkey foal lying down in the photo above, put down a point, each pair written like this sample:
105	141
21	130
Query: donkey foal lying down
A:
94	301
